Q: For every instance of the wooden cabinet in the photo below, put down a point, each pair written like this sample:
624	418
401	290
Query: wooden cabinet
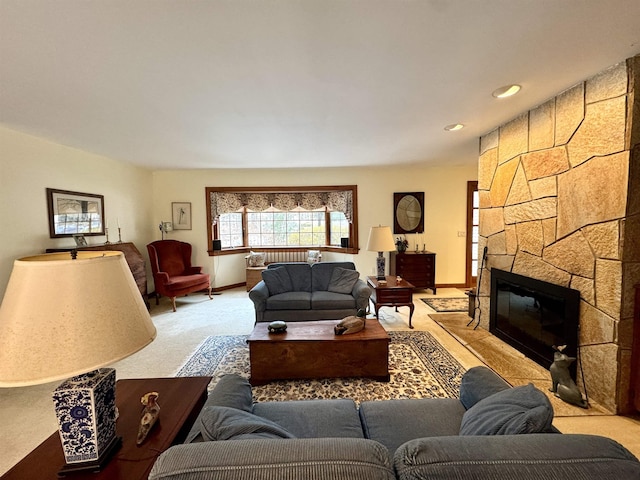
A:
417	268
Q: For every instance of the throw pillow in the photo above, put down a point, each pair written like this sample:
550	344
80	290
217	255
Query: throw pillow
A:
225	423
509	412
256	259
342	280
277	280
313	256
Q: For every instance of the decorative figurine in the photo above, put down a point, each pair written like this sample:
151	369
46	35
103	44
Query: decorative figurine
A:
351	324
277	326
150	414
563	385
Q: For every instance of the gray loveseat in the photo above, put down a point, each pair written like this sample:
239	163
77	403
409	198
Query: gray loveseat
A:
410	439
303	291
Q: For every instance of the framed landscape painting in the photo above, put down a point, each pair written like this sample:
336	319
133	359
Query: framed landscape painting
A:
74	213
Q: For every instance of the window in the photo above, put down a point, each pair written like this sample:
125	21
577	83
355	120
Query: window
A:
230	230
339	227
473	235
250	218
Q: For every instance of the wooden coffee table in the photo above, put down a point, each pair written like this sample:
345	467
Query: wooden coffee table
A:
313	350
180	400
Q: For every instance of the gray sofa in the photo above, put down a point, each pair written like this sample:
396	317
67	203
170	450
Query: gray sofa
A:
302	291
410	439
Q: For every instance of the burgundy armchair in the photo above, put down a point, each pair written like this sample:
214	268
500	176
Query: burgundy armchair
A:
173	274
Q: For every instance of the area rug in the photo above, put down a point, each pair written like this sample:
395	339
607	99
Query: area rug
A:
419	366
448	304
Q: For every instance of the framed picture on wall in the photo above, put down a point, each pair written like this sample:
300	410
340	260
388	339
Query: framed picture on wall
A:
408	212
74	213
181	215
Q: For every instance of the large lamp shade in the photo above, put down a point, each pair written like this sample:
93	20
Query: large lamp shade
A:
62	317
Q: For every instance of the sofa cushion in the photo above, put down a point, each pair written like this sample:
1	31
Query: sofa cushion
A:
277	280
342	280
394	422
289	301
299	272
522	457
321	273
323	300
224	423
478	383
513	411
299	459
314	418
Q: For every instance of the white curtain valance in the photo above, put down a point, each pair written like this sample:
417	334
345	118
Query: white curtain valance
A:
228	202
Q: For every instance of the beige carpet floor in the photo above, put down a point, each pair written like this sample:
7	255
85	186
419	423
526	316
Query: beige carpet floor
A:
27	418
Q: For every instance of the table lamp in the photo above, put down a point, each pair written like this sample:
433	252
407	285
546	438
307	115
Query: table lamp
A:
64	315
380	240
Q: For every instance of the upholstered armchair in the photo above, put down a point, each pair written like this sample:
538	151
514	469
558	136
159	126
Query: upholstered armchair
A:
173	273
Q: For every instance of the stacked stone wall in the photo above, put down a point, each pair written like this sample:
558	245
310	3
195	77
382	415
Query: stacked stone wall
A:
559	194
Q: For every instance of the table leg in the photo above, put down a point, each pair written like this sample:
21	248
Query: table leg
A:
411	307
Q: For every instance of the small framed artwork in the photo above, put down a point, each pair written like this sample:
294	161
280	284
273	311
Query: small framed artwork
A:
74	213
81	241
181	215
408	212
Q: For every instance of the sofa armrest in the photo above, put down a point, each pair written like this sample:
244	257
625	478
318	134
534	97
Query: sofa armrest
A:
259	295
361	292
525	457
303	459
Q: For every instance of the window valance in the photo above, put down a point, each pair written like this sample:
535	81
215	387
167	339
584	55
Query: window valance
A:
228	201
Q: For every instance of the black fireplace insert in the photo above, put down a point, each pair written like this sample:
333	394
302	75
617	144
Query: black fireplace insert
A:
533	315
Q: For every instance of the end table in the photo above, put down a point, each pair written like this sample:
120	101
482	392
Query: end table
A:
393	293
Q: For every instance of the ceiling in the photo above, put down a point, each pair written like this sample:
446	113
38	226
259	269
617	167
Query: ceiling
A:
177	84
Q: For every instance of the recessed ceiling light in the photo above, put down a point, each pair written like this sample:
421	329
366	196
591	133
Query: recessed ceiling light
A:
506	91
453	127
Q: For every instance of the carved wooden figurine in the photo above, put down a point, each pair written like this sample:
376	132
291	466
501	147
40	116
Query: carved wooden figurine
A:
150	414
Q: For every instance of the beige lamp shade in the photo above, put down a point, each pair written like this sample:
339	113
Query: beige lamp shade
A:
380	239
62	317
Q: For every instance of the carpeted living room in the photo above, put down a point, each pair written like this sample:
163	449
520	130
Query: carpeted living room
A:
208	337
311	239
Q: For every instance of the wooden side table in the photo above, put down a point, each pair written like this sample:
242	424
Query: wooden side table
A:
392	294
180	400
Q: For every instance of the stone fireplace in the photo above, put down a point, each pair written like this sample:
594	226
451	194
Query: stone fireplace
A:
560	202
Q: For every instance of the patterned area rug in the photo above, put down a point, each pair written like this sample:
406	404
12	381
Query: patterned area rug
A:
448	304
419	366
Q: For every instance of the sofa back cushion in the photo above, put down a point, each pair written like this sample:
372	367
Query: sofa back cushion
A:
299	275
277	280
478	383
512	411
521	457
293	459
321	273
342	280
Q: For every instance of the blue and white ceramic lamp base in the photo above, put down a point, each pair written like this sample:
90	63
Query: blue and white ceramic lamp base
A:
86	410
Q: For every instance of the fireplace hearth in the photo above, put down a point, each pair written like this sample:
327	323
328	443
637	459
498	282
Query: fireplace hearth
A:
533	315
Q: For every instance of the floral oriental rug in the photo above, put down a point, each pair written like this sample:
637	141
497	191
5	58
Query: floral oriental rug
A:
419	367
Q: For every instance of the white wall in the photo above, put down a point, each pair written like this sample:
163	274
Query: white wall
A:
445	209
30	164
141	199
